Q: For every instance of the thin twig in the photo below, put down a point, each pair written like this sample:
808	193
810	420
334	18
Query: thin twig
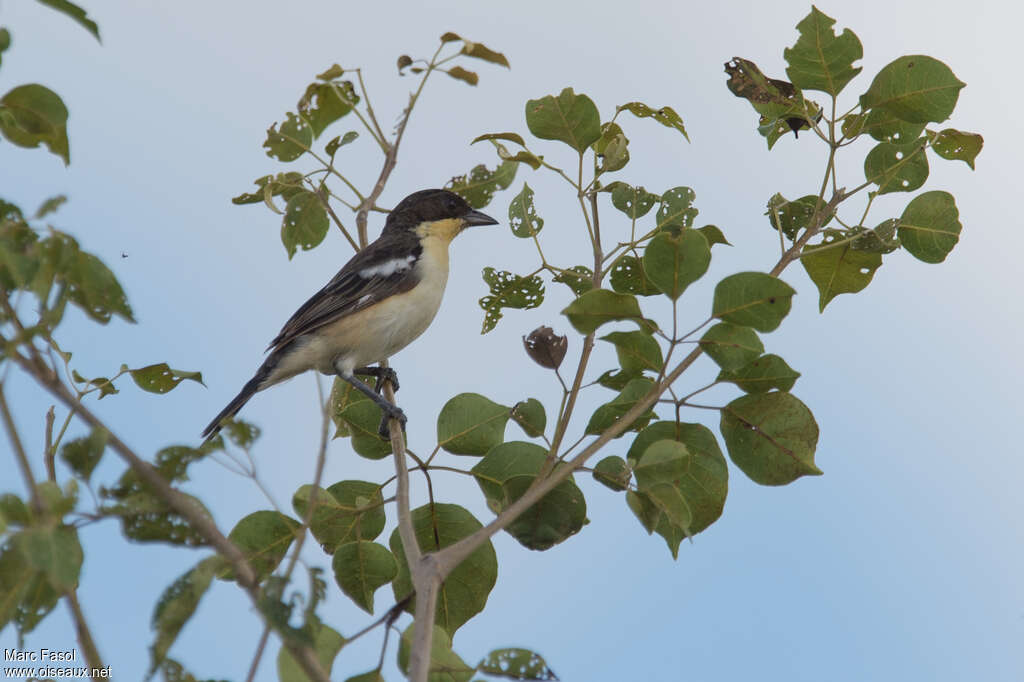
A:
19	453
85	638
48	450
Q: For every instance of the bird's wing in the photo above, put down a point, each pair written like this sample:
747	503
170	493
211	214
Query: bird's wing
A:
384	268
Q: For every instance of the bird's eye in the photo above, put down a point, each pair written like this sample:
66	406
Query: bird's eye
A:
451	203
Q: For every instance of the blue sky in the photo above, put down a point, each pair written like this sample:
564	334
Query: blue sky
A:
902	562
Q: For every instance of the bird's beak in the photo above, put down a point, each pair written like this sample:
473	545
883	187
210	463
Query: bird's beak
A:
478	218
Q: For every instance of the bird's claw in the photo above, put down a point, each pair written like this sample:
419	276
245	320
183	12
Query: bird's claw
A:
389	375
392	412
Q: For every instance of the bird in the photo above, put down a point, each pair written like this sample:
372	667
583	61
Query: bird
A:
379	302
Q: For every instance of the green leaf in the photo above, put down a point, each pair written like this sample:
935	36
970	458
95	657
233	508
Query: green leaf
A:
752	299
177	604
790	217
635	202
569	118
530	416
676	209
508	291
332	72
771	437
714	235
915	88
305	222
776	100
883	126
478	187
507	472
160	378
731	346
470	424
897	167
56	552
956	145
612	148
327	642
674	262
516	664
464	592
445	664
608	414
838	269
613	472
658	473
240	432
930	226
5	40
264	538
820	60
362	419
637	351
95	289
882	239
628	277
340	141
371	676
481	51
291	140
508	137
31	115
616	379
76	13
579	278
522	216
52	204
285	185
762	375
15	578
324	103
461	74
360	568
597	307
666	116
345	512
83	454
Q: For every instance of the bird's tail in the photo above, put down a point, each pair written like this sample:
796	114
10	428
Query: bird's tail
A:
257	383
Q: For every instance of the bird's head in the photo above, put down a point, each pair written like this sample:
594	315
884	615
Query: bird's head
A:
435	212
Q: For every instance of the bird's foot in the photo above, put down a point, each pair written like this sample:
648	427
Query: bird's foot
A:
382	374
390	412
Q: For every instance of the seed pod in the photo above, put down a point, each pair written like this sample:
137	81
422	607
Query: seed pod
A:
545	347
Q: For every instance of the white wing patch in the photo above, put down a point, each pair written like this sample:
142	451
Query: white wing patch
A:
388	267
364	299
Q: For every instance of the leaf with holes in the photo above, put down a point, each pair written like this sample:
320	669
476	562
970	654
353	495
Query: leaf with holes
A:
628	277
930	226
176	605
771	437
635	202
956	145
95	289
464	592
882	126
508	291
897	167
506	473
790	217
821	60
838	269
731	346
882	239
522	215
612	148
516	664
160	378
324	103
470	424
675	261
666	116
676	209
530	416
305	222
752	299
579	278
289	141
915	88
360	568
762	375
479	185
